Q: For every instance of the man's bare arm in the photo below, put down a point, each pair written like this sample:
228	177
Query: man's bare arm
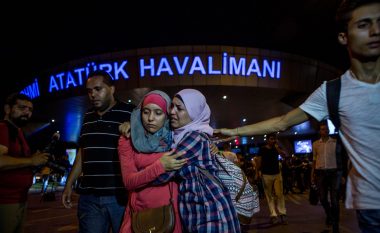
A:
76	170
8	162
281	123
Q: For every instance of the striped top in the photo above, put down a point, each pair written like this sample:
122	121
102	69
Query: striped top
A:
99	141
204	205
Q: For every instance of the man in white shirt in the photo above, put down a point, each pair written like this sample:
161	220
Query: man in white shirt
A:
326	175
358	24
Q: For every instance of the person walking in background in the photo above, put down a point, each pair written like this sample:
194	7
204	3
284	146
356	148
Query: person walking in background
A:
326	175
298	173
358	24
287	175
228	154
103	197
64	163
268	169
142	159
16	163
45	172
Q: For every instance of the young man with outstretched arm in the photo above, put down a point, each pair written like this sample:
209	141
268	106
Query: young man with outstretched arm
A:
359	30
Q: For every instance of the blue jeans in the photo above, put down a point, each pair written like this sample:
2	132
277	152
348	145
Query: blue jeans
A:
97	214
369	220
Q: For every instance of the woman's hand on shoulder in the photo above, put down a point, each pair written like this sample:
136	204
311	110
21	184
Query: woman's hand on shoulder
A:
170	161
125	129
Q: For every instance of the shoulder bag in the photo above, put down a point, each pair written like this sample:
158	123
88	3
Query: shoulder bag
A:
155	220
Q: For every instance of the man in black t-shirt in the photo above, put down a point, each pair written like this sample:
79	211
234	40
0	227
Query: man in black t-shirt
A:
103	196
268	168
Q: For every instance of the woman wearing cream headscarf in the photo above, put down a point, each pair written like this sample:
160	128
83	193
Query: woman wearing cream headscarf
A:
205	205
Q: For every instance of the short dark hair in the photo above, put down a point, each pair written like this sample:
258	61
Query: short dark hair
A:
107	78
12	98
323	123
343	14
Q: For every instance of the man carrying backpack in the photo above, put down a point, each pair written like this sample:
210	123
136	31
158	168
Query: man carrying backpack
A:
358	24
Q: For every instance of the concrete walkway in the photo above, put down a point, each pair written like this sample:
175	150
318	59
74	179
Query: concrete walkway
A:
51	217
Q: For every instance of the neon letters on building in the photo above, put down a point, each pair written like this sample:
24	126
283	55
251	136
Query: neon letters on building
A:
161	66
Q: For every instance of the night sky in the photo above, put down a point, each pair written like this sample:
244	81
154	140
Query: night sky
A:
40	36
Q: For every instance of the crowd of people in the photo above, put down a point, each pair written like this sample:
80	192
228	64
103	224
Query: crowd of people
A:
133	158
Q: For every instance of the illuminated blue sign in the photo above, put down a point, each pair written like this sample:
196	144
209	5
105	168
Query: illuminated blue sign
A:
244	140
32	90
157	66
74	78
228	66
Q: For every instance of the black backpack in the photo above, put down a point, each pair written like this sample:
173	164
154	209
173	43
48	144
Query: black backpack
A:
333	94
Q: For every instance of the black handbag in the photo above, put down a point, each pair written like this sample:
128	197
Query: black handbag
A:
313	195
154	220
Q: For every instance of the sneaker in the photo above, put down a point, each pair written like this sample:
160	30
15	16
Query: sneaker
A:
284	219
274	219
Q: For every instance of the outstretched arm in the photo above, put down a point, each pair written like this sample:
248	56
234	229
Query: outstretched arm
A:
275	124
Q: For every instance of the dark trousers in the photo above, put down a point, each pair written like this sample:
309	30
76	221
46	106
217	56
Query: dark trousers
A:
369	220
329	181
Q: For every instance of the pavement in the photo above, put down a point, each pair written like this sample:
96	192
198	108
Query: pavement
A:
49	216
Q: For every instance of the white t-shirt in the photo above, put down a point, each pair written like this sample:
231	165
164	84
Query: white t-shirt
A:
359	110
324	154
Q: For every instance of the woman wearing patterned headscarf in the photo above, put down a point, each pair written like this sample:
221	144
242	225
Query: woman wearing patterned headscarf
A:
205	205
142	158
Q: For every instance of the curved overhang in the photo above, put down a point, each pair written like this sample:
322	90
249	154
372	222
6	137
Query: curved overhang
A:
257	83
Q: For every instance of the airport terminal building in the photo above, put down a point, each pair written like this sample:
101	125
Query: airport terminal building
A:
242	85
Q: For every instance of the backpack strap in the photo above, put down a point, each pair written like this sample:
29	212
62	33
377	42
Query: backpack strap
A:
208	175
333	88
238	195
333	96
220	164
216	155
242	187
